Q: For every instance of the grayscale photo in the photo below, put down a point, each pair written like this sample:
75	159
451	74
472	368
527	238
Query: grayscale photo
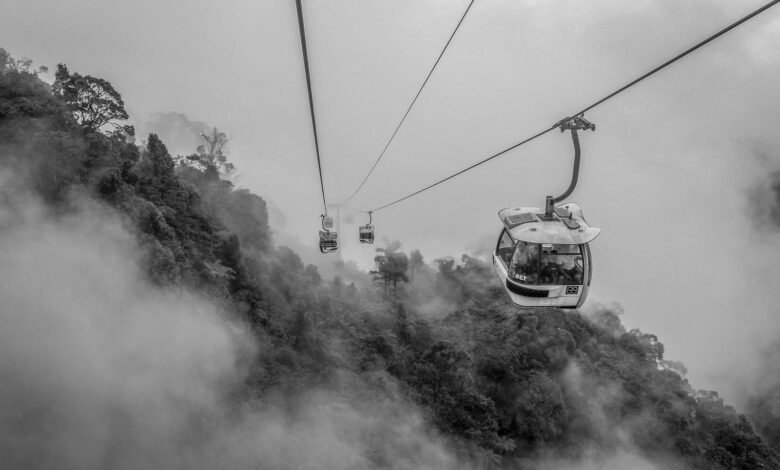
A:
389	234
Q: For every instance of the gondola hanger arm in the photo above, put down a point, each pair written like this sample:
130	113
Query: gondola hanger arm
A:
572	124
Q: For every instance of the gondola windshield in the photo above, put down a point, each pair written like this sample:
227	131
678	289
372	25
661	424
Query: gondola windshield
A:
546	264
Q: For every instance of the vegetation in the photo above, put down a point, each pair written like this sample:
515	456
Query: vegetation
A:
504	385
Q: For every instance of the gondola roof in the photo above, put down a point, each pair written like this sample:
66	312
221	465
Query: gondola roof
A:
565	226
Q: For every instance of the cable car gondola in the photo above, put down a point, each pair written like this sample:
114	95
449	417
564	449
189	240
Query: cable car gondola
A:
545	261
329	241
366	232
542	256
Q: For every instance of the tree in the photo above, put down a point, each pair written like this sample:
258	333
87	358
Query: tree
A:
210	157
7	62
36	130
312	274
416	262
157	164
391	268
94	102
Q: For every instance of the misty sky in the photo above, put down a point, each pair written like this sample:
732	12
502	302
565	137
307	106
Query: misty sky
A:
669	174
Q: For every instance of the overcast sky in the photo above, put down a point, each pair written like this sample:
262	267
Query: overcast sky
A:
667	175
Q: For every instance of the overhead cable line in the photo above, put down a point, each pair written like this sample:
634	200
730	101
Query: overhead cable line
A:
681	55
311	100
413	101
469	168
588	108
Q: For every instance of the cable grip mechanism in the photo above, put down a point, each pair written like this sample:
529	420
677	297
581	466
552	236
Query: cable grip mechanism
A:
572	124
577	122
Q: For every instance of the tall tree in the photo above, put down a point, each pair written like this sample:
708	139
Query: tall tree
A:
416	262
95	103
211	157
391	268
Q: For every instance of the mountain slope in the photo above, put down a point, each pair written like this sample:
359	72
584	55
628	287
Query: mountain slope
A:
500	386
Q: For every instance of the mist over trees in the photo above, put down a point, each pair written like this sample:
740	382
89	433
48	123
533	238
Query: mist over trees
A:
766	201
391	267
494	385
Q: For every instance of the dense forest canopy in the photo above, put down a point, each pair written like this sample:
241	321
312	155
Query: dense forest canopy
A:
272	365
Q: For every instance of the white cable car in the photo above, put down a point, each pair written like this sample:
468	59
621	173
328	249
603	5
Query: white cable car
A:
542	256
545	261
366	232
329	241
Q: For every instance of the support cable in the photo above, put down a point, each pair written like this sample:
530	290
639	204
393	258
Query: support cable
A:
412	104
588	108
311	100
680	56
467	169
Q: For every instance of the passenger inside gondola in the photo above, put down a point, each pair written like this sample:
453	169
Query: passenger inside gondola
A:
570	265
525	263
561	264
547	264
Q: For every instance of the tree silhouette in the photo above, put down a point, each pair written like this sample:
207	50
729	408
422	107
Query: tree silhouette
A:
94	101
391	267
210	157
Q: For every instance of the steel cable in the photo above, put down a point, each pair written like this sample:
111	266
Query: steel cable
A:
311	100
588	108
412	104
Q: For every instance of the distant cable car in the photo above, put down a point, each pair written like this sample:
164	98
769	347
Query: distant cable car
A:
366	232
329	241
545	261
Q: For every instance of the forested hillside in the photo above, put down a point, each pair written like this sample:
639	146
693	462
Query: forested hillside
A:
433	365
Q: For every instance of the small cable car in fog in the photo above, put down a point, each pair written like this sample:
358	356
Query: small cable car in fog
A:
329	241
545	261
366	232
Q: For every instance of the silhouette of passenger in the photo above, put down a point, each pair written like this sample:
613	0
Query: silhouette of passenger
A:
525	262
570	267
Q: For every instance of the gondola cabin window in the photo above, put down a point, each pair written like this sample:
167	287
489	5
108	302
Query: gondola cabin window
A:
505	248
546	264
561	265
524	267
